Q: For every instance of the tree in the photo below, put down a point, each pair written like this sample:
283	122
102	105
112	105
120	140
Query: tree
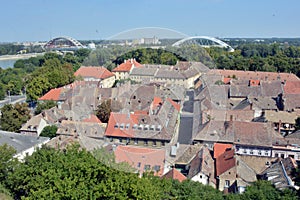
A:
103	111
108	159
13	116
265	190
37	87
44	105
49	131
6	161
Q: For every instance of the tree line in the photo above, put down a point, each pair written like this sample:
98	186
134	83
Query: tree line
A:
37	75
74	173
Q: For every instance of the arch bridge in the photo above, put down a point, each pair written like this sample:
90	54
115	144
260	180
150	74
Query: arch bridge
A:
204	41
63	43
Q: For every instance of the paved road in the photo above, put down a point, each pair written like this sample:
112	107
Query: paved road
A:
13	100
186	119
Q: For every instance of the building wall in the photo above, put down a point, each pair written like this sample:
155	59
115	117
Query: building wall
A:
201	178
285	152
108	82
20	156
121	75
41	126
253	151
229	175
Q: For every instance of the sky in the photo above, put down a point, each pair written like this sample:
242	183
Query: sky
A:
41	20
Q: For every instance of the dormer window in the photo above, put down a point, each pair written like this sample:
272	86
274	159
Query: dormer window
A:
158	128
141	127
152	127
146	128
135	126
122	126
116	125
127	126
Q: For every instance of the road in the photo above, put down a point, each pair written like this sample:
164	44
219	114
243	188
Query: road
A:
13	100
187	119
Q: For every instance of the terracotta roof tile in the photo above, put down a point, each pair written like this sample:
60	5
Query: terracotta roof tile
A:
226	80
254	82
257	75
117	119
176	105
175	175
220	148
53	94
127	66
142	159
225	162
292	87
92	118
95	72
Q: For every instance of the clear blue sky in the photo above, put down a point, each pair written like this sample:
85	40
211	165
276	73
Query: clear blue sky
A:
33	20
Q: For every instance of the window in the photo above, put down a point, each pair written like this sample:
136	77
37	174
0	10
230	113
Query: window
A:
147	167
266	153
145	142
156	168
154	143
259	152
276	154
116	125
251	152
139	164
227	183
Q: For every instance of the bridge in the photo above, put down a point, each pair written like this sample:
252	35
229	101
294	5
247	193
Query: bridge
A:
63	43
204	41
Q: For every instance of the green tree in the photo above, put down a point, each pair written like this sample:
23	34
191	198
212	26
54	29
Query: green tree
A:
37	87
44	105
13	116
103	111
49	131
6	161
108	159
265	190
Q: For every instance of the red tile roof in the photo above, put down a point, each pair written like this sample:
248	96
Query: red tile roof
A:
175	175
225	162
254	82
127	66
53	94
93	119
118	119
226	80
257	75
292	87
95	72
220	148
139	158
176	105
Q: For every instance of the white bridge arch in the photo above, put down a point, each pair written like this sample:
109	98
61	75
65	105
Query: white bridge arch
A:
63	42
219	42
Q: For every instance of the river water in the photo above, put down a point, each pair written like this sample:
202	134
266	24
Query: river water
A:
4	64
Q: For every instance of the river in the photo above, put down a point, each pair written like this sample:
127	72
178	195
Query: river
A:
4	64
7	61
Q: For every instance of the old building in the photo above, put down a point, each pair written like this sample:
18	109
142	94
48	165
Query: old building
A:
123	70
101	75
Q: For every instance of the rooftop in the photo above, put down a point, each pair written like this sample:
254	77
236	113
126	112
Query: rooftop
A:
93	72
